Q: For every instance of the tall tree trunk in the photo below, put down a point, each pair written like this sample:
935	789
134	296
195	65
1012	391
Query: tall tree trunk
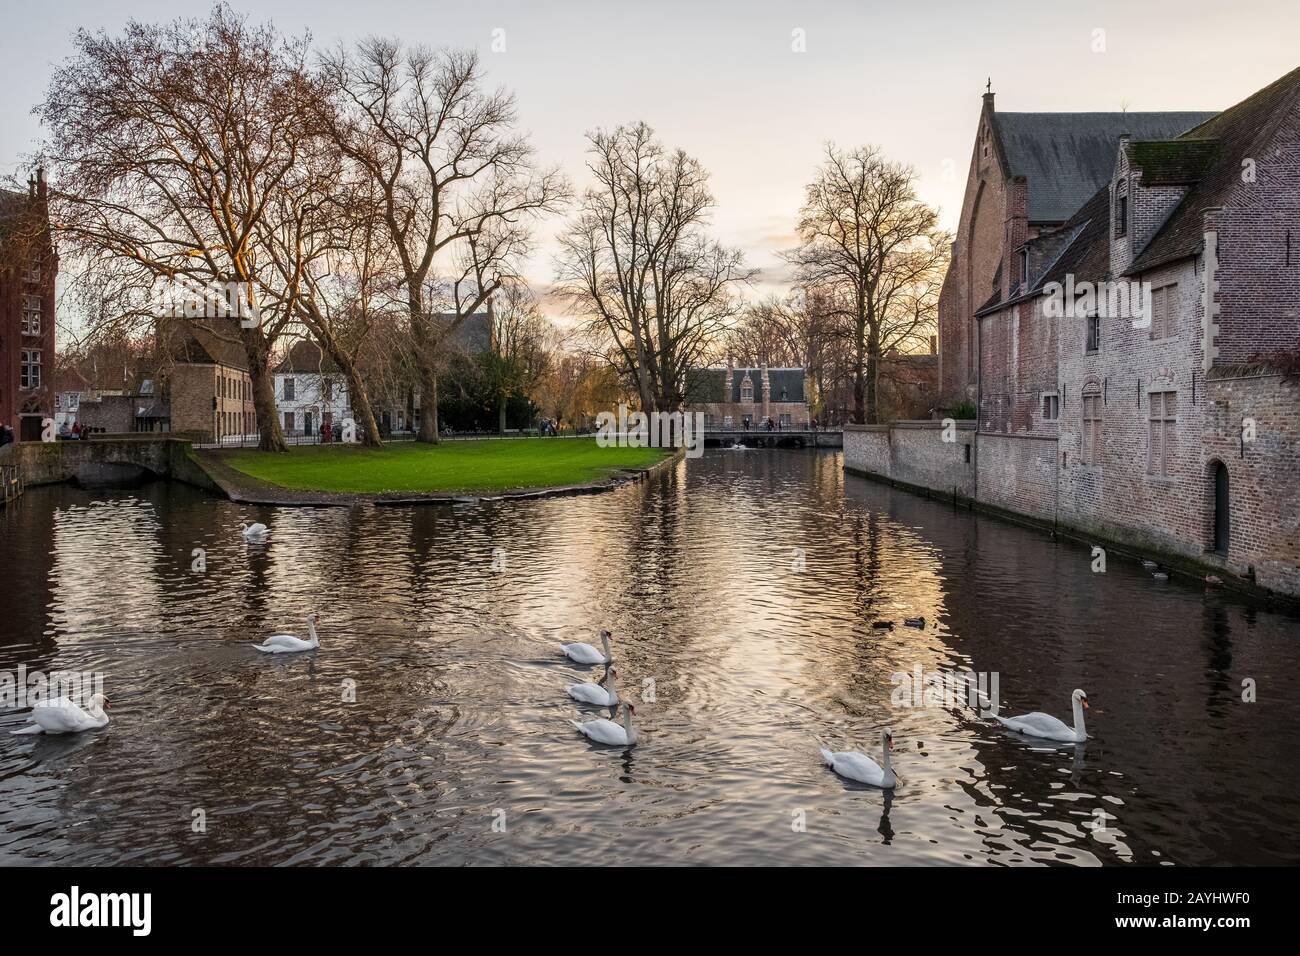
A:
873	404
428	405
361	407
257	350
501	413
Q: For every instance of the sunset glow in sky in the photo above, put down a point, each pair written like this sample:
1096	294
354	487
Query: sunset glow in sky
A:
721	80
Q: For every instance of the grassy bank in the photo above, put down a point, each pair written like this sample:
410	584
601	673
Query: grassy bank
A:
457	466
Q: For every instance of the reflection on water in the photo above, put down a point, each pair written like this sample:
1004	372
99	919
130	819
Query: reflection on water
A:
432	726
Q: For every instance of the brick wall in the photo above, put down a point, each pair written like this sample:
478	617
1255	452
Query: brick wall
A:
1017	473
914	453
1264	493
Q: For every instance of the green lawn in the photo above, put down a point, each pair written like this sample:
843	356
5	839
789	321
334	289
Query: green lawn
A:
468	466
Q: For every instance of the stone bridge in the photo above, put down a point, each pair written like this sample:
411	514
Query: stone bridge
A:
781	438
106	460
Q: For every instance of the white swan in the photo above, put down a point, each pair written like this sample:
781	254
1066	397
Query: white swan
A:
863	769
592	693
62	716
586	654
607	732
253	532
1048	727
288	644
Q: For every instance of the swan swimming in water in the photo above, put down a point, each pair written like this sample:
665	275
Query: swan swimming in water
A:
62	716
1048	727
254	532
586	654
604	731
288	643
592	693
857	766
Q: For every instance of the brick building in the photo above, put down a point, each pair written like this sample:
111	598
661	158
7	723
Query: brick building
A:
734	397
1029	173
203	385
1135	364
28	267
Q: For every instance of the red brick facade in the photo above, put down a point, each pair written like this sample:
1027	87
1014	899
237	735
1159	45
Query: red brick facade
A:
27	303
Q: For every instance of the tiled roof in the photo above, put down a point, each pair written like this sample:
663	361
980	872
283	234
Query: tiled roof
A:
710	385
1241	132
1066	156
307	356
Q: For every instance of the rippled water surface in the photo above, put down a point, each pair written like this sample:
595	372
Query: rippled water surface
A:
741	589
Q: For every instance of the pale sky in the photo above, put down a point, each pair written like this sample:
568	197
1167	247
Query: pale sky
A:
722	81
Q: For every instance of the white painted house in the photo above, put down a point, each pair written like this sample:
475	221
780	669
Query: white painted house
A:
309	391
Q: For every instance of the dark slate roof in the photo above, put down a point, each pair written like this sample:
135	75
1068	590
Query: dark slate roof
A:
1173	162
710	385
200	344
1241	132
1087	256
473	336
1067	156
307	356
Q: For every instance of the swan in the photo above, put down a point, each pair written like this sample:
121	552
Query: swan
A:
586	654
604	731
253	532
288	644
1048	727
590	693
863	769
62	716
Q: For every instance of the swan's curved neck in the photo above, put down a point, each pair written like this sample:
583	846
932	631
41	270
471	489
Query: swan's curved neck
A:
610	688
604	642
1079	731
884	747
311	629
627	720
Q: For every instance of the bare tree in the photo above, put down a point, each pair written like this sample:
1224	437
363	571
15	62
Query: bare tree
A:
168	144
637	264
869	241
455	183
519	356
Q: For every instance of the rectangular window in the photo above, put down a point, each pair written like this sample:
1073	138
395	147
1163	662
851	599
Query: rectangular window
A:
1162	418
1051	407
32	273
1163	321
288	389
1092	341
1121	216
31	315
288	421
1091	430
29	375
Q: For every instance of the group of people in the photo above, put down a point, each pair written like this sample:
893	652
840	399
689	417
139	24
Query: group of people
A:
73	432
548	426
6	434
768	424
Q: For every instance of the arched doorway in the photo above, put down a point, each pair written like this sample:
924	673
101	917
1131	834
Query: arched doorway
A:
1222	512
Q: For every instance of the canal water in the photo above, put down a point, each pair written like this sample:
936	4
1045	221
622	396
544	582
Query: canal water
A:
743	590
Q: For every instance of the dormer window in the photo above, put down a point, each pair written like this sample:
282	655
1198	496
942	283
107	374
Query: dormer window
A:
1120	215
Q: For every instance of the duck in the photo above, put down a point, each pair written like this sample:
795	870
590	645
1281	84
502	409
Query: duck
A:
586	654
255	531
914	621
591	693
62	716
604	731
883	625
1048	727
288	643
858	766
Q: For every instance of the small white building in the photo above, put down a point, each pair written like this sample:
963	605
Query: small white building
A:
309	391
